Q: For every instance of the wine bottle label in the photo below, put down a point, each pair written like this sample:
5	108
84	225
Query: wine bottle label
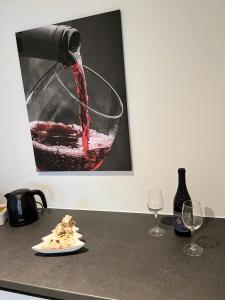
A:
178	223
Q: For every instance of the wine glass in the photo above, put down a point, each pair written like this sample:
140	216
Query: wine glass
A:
192	218
155	204
54	114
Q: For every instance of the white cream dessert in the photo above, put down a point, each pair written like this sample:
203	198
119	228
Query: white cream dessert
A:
63	235
68	221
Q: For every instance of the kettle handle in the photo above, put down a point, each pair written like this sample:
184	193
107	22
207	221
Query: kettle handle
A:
41	195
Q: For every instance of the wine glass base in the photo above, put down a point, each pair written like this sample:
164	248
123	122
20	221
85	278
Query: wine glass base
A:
193	249
156	231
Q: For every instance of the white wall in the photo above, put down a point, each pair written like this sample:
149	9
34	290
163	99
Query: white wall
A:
176	94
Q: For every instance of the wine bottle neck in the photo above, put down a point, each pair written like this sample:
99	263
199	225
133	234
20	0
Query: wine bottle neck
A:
182	188
53	42
182	179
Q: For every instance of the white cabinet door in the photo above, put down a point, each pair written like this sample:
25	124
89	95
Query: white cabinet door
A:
13	296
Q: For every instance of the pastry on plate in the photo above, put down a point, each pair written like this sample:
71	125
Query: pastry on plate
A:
63	235
64	238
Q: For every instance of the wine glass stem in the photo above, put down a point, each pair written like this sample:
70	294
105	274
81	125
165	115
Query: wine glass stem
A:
156	221
192	236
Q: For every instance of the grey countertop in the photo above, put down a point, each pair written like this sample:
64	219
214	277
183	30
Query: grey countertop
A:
119	261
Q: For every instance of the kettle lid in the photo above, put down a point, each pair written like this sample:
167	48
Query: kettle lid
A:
18	192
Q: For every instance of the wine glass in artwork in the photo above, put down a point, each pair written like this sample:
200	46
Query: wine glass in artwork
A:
155	205
192	217
73	123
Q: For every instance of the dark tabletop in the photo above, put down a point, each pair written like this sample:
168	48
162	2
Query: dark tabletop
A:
119	261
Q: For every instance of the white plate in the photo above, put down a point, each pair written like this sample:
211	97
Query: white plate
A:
75	228
77	245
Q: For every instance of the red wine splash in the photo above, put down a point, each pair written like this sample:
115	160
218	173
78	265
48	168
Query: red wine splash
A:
58	147
79	78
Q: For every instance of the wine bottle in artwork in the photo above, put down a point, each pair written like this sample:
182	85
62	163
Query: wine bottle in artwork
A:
181	196
53	42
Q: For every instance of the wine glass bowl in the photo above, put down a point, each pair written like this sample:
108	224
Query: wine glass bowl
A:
54	114
155	205
192	217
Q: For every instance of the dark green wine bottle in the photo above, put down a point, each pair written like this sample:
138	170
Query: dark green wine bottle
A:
181	196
